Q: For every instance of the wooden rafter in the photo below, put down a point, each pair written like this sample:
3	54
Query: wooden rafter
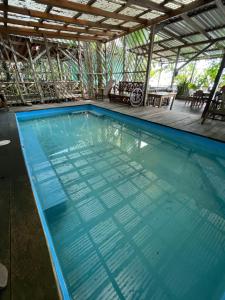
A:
83	8
58	18
176	12
54	27
149	5
43	33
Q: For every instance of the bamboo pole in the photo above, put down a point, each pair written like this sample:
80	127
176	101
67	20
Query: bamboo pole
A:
80	66
34	72
106	67
124	58
16	78
215	86
149	62
99	65
51	67
175	67
59	65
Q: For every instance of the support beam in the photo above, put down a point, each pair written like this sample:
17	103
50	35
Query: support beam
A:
175	67
59	65
149	4
51	66
214	88
13	50
70	29
16	75
124	58
80	65
34	72
42	33
195	56
149	62
83	8
16	62
68	55
58	18
40	55
106	65
176	12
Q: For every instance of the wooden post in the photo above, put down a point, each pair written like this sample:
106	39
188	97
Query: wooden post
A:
192	73
59	66
160	72
51	66
34	72
215	85
106	67
124	59
99	65
175	72
16	78
80	66
135	67
149	62
195	56
19	75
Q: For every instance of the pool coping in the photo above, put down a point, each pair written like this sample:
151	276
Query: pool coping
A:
24	251
113	109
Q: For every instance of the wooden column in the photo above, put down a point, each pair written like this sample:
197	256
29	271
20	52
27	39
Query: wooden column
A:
175	72
80	66
16	62
16	75
192	73
215	85
59	66
34	72
99	65
160	72
106	66
51	66
149	62
124	59
19	74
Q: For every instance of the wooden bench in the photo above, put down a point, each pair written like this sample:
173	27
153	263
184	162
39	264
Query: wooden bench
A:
122	92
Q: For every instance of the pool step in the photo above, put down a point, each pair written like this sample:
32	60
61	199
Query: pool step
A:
94	113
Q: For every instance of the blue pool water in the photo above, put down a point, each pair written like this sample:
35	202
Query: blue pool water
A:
130	209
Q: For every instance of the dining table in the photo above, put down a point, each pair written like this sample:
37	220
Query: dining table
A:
161	98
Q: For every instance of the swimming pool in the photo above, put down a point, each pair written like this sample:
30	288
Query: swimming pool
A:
130	209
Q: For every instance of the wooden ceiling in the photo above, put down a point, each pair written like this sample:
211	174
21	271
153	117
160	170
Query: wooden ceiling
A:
88	20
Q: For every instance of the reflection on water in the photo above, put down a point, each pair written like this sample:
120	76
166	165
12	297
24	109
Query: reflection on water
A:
132	215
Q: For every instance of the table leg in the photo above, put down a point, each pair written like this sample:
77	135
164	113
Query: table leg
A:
160	101
171	106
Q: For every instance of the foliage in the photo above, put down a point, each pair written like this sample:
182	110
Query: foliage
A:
198	78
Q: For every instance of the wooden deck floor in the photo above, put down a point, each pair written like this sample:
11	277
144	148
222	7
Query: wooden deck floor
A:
181	117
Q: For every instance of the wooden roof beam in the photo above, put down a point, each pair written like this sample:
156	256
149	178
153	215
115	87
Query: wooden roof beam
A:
174	13
83	8
194	56
58	18
47	34
149	4
54	27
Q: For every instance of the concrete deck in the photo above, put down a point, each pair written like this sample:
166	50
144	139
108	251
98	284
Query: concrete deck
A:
22	244
23	247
